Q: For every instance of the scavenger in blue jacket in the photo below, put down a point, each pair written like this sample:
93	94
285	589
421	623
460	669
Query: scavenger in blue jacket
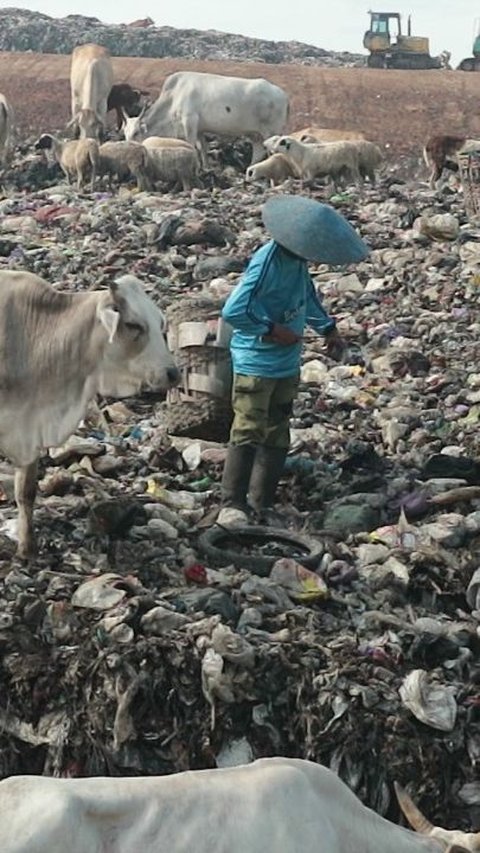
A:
268	311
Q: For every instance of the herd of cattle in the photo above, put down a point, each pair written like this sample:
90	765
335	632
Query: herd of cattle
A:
165	141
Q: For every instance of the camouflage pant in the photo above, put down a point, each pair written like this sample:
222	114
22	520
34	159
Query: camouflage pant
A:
262	409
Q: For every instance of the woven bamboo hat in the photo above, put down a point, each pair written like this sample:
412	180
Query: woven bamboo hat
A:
314	231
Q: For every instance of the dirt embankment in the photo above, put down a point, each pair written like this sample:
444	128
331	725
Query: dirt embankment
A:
395	108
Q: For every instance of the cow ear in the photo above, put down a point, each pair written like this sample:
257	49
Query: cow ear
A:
109	317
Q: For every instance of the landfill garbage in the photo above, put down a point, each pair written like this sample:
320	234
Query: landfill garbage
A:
127	648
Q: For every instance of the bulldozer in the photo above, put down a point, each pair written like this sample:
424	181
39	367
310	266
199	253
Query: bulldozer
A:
472	63
393	49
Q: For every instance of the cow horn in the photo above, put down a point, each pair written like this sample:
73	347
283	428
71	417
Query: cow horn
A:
414	816
124	114
73	120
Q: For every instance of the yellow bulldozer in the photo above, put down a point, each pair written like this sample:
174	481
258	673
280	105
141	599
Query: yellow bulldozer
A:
390	48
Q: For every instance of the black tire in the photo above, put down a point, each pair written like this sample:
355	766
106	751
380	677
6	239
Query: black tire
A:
467	65
210	544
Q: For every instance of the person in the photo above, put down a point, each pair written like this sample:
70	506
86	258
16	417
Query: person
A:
268	311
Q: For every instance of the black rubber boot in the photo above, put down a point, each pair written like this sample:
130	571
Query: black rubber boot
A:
236	475
266	472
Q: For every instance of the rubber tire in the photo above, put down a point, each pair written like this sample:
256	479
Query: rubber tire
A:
210	543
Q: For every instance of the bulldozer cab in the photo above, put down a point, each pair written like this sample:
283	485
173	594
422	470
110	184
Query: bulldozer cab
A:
379	23
383	26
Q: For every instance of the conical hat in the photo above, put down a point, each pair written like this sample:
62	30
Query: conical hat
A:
314	231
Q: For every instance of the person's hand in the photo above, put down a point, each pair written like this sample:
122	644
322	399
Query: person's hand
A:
282	335
335	344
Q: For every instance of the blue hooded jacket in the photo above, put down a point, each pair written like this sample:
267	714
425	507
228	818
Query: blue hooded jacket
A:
275	288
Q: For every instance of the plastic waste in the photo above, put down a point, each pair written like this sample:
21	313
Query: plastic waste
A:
473	591
177	500
302	584
233	647
100	593
159	620
432	703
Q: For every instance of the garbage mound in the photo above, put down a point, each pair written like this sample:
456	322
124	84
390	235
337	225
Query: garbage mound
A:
24	30
127	648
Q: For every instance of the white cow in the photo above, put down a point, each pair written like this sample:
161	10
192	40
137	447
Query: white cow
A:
6	131
275	804
91	80
192	104
57	350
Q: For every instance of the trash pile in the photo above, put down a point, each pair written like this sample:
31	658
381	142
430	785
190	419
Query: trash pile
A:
25	30
140	643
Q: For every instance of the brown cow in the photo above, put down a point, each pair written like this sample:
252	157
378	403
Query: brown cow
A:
439	153
124	97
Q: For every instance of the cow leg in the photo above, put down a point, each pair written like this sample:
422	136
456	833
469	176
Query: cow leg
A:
25	492
436	174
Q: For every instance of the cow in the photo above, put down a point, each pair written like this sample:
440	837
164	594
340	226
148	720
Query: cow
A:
440	152
6	131
125	99
192	104
91	81
57	350
274	804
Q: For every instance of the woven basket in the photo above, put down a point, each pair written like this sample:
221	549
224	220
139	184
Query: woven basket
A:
199	407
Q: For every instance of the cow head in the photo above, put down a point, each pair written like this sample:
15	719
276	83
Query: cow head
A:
87	124
136	356
450	840
134	127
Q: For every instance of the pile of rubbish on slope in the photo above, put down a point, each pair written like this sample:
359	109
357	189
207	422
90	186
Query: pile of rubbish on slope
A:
137	645
26	30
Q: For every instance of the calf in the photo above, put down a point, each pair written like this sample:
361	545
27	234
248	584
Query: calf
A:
57	350
275	804
439	151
